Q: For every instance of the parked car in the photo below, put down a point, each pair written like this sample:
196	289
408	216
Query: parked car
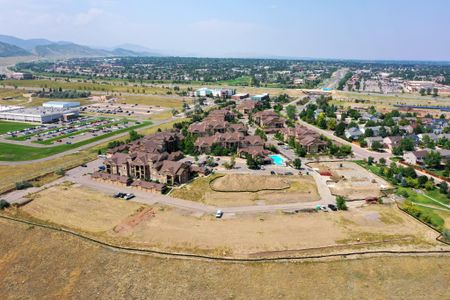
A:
128	196
289	173
324	208
119	195
332	207
219	214
273	173
84	165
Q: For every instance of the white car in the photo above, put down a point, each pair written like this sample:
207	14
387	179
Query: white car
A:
219	214
129	196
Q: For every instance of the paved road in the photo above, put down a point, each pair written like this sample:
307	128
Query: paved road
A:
75	150
335	78
80	175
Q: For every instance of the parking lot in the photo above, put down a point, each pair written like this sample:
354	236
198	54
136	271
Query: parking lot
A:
70	132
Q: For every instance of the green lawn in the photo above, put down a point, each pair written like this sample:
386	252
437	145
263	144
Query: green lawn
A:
6	126
11	152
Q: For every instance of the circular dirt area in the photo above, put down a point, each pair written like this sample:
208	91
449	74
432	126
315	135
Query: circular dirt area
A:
248	183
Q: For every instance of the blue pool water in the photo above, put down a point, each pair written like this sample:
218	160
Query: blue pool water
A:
277	159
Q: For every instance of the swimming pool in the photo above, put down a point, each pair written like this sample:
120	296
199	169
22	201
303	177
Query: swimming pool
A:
278	160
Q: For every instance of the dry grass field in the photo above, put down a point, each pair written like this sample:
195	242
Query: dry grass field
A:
351	180
301	189
385	101
156	100
39	264
279	234
79	208
249	183
164	228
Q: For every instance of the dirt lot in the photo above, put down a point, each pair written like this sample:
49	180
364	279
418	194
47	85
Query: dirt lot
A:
351	180
80	208
249	183
301	189
259	235
244	235
40	264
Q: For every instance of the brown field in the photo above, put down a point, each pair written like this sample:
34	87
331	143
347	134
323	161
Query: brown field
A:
80	208
385	101
301	189
165	228
352	181
273	234
249	183
156	100
39	264
30	171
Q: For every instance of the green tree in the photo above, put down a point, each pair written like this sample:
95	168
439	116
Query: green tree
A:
291	111
376	146
341	203
331	124
443	187
259	132
432	159
135	136
297	163
340	129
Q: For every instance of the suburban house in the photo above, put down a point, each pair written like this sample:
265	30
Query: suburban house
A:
353	133
415	157
306	137
269	120
390	142
371	140
432	136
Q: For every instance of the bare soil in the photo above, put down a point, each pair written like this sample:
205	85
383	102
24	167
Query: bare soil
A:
352	181
79	207
164	228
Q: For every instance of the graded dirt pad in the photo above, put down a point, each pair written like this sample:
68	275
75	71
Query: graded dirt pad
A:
249	183
79	207
351	180
299	189
252	235
39	264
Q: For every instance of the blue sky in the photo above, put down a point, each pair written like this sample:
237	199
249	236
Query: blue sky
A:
359	29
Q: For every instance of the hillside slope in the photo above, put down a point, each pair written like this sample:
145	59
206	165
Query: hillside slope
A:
8	50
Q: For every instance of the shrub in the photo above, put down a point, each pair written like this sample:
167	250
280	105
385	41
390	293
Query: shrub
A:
60	172
341	203
23	185
3	204
446	234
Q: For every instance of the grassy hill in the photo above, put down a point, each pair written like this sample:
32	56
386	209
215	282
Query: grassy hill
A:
8	50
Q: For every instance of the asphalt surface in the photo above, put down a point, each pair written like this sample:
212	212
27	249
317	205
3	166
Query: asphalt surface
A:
75	150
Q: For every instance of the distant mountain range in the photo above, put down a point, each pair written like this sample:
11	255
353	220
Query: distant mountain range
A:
11	46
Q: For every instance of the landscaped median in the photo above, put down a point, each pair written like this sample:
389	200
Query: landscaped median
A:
13	152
